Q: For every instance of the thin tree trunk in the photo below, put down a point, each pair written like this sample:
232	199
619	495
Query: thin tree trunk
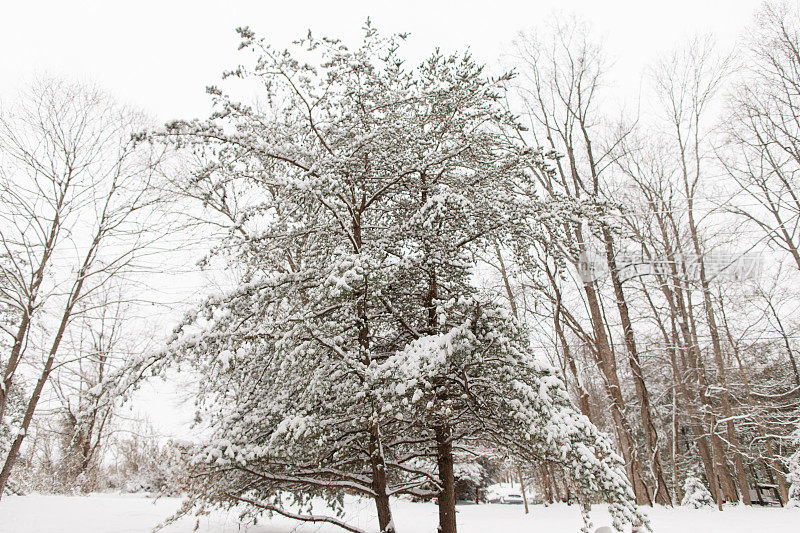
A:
72	300
723	476
522	489
689	392
728	485
583	395
32	294
680	313
670	343
506	282
674	447
786	342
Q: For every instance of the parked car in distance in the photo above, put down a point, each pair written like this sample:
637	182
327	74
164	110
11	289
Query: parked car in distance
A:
511	497
505	493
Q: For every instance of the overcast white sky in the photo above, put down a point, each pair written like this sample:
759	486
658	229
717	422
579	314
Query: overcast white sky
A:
160	55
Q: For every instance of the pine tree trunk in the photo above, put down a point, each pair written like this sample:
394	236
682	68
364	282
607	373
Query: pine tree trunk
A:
379	485
546	486
447	494
377	461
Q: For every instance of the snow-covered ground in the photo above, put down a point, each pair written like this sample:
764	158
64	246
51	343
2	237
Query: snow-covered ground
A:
108	513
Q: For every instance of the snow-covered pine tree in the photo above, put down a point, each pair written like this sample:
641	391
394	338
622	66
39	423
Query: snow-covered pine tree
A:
695	494
308	319
355	346
481	382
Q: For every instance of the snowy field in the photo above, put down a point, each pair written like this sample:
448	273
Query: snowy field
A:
104	513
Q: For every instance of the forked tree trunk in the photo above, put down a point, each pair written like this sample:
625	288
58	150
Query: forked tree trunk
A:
13	452
727	412
671	341
32	292
722	478
605	360
583	395
661	493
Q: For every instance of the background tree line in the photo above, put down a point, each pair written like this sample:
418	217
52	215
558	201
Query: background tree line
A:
673	320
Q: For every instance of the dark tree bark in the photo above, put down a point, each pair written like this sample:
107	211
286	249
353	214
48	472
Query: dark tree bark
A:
379	485
447	493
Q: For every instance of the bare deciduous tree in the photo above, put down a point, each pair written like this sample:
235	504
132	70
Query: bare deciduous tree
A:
563	78
79	200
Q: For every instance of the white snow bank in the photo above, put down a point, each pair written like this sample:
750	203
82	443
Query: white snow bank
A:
104	513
